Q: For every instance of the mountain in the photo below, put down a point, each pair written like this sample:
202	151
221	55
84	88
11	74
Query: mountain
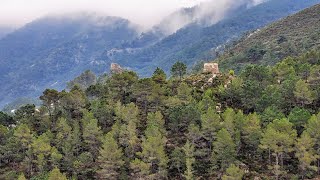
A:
200	15
197	42
4	30
53	50
290	36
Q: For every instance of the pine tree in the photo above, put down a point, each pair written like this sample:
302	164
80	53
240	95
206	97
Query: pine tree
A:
278	138
210	122
312	128
224	150
188	149
126	128
140	169
110	159
252	131
92	134
179	69
177	162
303	94
21	177
55	174
41	149
232	124
305	153
23	136
63	131
233	173
55	157
159	76
153	146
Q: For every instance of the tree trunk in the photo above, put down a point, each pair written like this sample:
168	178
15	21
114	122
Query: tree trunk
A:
269	156
277	166
281	159
318	166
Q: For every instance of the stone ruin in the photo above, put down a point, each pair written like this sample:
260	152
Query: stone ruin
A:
116	68
211	68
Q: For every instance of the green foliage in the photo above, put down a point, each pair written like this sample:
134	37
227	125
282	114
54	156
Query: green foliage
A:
179	69
303	94
85	80
224	150
5	119
159	76
280	39
55	174
126	128
92	133
22	177
278	138
299	117
153	147
233	173
188	149
154	128
305	153
110	159
177	162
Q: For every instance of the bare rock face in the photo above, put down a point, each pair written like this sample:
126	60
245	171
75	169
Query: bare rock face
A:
211	68
116	68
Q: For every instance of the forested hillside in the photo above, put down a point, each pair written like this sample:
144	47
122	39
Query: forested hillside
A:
289	37
260	124
50	51
196	42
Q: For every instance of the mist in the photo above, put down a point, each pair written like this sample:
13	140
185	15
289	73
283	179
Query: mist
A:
205	13
145	13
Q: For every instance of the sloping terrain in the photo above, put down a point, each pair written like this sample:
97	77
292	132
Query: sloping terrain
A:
195	42
290	36
4	30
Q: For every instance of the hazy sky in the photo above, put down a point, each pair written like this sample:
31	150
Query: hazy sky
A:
144	12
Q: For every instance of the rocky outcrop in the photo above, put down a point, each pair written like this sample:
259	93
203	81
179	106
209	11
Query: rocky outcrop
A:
116	68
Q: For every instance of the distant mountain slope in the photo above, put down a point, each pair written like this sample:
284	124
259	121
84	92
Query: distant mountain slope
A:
195	42
290	36
201	15
4	30
51	51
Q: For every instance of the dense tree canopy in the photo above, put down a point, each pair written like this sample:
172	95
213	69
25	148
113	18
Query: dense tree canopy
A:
262	123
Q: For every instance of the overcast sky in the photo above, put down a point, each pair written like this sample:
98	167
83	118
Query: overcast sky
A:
143	12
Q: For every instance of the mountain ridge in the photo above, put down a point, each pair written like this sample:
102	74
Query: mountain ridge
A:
193	42
287	37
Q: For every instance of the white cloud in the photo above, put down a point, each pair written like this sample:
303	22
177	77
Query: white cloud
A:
145	12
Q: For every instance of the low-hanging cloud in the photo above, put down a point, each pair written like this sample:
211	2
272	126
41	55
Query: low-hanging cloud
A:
143	12
207	13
